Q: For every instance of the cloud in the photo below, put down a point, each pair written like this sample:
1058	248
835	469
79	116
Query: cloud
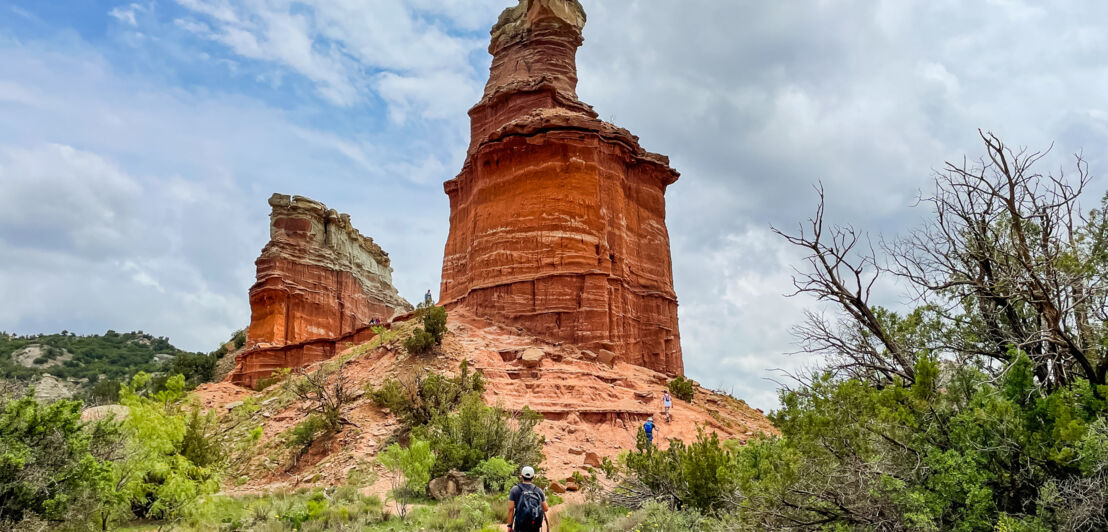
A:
339	45
126	14
167	146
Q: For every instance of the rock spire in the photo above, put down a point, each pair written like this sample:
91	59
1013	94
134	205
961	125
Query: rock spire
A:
557	219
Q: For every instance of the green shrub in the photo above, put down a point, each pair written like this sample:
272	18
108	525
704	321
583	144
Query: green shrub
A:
463	514
196	368
200	443
681	388
698	475
419	342
434	322
105	391
496	472
477	432
239	338
49	463
417	401
411	471
305	433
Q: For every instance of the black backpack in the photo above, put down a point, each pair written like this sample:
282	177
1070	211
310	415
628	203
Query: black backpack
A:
529	514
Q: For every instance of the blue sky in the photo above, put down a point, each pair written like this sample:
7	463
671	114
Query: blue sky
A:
140	140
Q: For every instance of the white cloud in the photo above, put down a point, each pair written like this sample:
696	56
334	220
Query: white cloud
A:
126	14
753	101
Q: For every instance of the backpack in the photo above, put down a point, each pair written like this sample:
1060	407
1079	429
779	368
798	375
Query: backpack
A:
529	514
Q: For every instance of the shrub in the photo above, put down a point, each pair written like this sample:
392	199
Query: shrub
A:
411	471
239	338
496	472
681	388
105	391
199	443
419	400
477	432
434	322
463	514
419	342
273	378
305	433
48	461
698	475
196	368
325	391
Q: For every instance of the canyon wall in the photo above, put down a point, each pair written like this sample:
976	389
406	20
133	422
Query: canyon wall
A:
557	219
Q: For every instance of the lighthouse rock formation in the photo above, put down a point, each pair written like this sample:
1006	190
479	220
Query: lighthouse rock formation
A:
557	219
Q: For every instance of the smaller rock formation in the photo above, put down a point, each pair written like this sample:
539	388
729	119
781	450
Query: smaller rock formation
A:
320	283
318	277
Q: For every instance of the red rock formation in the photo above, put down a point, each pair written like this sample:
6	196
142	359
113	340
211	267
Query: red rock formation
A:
557	219
319	279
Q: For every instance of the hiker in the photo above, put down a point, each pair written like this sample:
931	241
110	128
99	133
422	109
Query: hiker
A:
526	504
667	403
428	299
648	428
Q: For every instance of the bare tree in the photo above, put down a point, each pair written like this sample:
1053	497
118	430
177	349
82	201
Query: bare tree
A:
842	269
1008	254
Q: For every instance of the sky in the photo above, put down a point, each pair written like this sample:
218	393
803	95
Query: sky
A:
140	140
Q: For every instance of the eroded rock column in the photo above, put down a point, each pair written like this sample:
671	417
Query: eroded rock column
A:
557	220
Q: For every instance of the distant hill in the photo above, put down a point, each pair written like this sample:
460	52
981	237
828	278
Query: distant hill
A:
67	361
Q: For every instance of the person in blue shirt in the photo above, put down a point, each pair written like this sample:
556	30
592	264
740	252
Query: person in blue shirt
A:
648	428
428	299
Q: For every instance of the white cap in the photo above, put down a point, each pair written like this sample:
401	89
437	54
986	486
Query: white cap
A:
527	472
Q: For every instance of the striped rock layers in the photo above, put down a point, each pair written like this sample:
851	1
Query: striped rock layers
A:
557	219
319	279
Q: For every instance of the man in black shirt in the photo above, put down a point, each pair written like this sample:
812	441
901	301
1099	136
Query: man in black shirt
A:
530	502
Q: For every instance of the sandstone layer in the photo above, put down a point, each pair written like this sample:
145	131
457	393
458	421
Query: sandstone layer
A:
557	219
319	280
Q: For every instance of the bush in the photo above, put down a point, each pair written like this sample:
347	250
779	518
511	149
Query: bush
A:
48	460
305	433
239	338
196	368
497	473
325	392
419	400
419	342
200	443
698	475
477	432
681	388
463	514
434	322
105	391
411	471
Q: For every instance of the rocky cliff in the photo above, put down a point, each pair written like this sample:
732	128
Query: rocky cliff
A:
319	280
557	219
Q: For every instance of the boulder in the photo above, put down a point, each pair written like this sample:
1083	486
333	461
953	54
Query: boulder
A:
453	484
592	459
571	485
606	357
532	357
576	450
233	405
556	488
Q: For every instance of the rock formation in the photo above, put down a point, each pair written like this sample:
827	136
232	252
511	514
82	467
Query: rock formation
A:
557	219
319	281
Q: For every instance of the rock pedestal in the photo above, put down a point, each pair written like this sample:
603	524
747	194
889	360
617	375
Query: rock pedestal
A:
557	219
